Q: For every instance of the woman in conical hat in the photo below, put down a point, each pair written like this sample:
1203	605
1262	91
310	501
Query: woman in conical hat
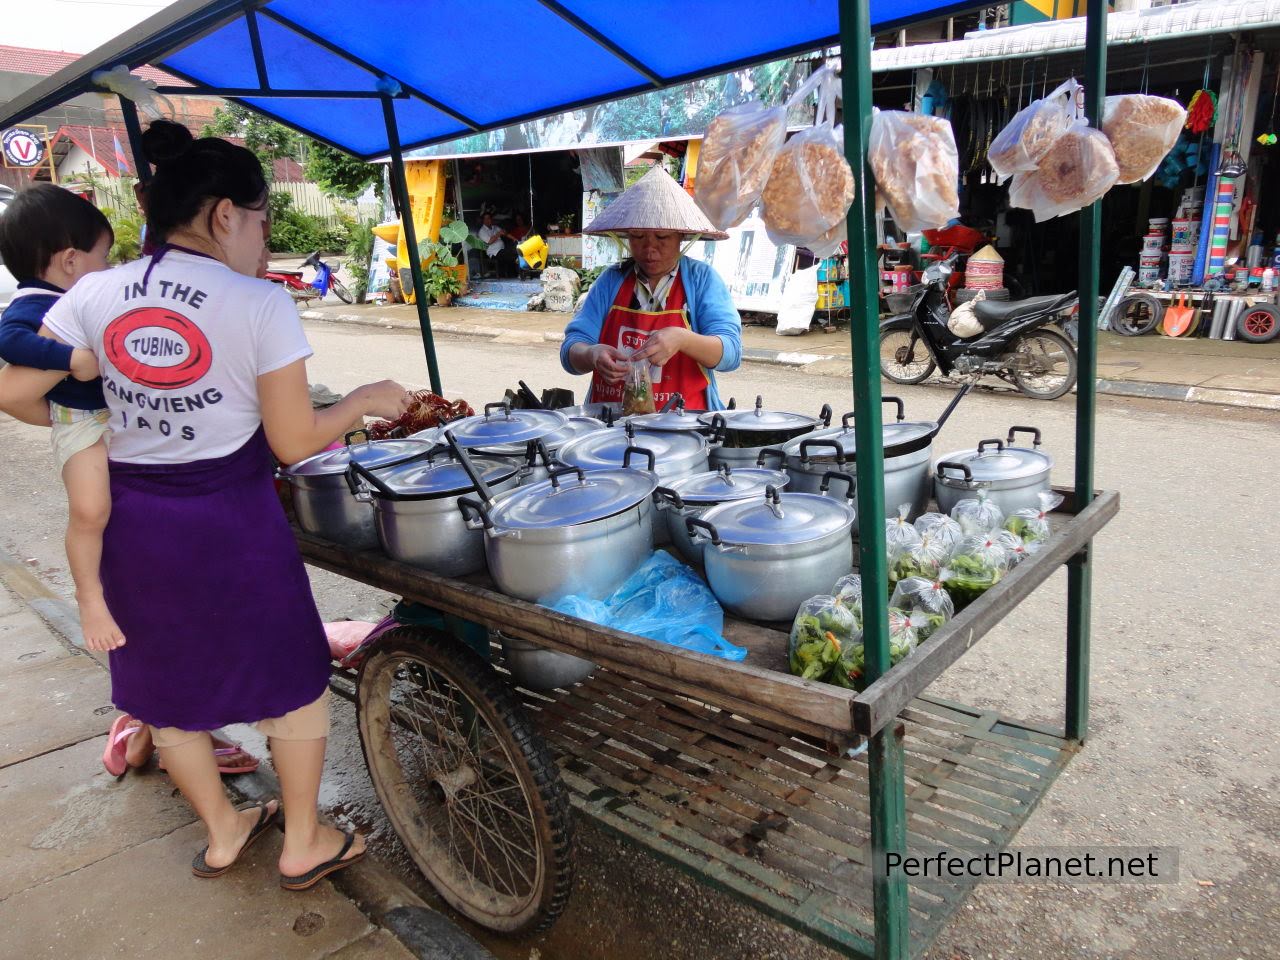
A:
658	305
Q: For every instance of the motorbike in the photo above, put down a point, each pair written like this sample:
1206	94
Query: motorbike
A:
1019	343
317	287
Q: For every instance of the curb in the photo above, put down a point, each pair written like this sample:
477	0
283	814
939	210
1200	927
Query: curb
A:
797	360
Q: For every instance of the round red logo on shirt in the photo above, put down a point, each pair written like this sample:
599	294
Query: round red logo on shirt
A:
155	347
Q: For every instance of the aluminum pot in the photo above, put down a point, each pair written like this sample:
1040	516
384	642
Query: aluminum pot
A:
675	420
1013	477
609	413
322	500
764	557
535	458
415	508
738	436
537	668
693	496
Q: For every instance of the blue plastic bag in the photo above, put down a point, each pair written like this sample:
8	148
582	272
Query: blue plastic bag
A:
665	601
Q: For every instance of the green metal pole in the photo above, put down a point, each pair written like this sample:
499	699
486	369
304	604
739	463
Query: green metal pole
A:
885	753
401	190
1079	570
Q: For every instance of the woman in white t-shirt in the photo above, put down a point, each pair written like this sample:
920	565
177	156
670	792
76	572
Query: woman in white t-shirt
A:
204	372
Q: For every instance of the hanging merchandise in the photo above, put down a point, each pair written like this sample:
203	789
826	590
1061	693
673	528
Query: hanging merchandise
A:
916	167
1142	131
1033	130
810	187
1077	169
1220	233
737	154
1202	111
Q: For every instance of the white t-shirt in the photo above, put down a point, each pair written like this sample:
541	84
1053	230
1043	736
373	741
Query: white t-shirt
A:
181	359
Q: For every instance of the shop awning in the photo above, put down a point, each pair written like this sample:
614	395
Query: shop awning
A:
321	66
1067	36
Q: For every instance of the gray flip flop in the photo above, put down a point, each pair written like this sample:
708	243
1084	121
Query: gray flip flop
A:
265	818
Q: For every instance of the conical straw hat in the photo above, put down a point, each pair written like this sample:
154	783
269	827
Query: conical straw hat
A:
655	202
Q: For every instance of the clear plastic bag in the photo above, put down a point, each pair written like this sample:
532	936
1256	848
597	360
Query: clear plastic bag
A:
1014	546
1032	526
974	567
1078	169
899	534
928	597
916	167
824	628
849	589
941	529
810	186
978	515
851	667
922	559
1028	136
637	391
1142	130
836	239
737	155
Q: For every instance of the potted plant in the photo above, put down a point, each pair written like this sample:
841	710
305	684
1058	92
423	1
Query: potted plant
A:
441	283
565	222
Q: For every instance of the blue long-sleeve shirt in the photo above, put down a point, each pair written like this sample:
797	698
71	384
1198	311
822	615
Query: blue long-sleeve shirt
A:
22	345
711	313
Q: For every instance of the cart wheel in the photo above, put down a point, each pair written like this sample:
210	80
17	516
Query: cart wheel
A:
1259	323
471	790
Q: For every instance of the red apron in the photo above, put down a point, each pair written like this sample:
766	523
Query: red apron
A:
628	328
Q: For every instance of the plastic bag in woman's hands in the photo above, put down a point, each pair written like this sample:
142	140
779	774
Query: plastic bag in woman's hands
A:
637	390
823	627
737	155
927	596
978	515
1078	169
1032	525
1142	131
941	529
1029	135
917	168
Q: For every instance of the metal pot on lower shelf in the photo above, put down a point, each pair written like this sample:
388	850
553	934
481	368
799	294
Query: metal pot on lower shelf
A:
323	502
693	496
764	557
537	668
1012	477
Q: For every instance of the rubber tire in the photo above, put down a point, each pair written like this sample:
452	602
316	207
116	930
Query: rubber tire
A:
340	288
549	811
906	381
1269	333
1072	374
964	295
1118	323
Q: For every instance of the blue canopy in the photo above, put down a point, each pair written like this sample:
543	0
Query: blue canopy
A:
456	66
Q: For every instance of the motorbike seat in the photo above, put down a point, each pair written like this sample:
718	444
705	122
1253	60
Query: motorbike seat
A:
992	313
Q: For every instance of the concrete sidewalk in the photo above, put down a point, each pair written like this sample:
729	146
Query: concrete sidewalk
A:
1233	373
98	868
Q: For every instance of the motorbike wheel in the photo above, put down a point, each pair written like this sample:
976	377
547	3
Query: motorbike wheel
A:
1043	364
903	358
340	288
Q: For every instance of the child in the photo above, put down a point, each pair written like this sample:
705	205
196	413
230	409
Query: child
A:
49	239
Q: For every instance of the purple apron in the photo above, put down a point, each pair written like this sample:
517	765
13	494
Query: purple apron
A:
203	576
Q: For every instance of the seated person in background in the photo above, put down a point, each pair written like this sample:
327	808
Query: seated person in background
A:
519	230
498	257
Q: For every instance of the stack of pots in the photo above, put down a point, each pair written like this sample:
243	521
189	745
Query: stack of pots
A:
323	502
739	436
1012	477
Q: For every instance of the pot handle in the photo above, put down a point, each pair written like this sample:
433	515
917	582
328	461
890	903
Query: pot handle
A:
506	407
474	510
897	402
647	454
675	400
944	465
846	421
565	471
693	524
807	445
719	428
1034	431
538	449
825	414
766	453
665	495
357	469
346	437
983	444
848	478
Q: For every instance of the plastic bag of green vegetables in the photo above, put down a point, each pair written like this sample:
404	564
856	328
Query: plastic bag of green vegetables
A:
1032	525
927	597
898	532
924	559
851	669
941	528
822	629
1018	550
978	515
637	391
849	589
974	567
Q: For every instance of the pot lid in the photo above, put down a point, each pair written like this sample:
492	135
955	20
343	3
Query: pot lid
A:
896	435
371	454
501	425
673	420
719	486
606	449
575	427
761	419
998	462
442	475
572	499
793	518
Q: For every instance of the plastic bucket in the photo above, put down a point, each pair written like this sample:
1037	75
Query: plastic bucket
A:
1149	268
1180	266
1181	232
1152	243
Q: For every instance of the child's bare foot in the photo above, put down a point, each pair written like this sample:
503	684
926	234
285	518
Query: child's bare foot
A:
98	626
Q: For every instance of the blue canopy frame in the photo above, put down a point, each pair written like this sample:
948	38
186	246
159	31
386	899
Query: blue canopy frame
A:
411	73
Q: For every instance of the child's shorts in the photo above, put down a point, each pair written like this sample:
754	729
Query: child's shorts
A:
75	430
309	722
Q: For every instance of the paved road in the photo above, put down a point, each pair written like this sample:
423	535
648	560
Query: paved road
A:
1182	751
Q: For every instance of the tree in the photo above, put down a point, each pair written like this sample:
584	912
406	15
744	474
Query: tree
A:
269	140
339	174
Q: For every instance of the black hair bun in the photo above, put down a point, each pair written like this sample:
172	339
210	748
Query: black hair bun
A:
165	140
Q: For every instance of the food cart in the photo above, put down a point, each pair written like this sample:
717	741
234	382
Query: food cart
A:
746	777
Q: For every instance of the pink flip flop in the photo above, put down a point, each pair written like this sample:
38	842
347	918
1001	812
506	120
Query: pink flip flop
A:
117	742
227	769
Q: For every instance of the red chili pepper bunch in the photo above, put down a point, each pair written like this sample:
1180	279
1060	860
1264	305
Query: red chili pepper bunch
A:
426	409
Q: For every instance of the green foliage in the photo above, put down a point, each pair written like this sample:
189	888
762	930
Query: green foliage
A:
359	251
339	174
127	227
269	140
441	251
295	231
438	281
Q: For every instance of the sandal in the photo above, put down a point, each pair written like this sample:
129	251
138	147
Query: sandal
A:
306	881
247	762
265	818
117	742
